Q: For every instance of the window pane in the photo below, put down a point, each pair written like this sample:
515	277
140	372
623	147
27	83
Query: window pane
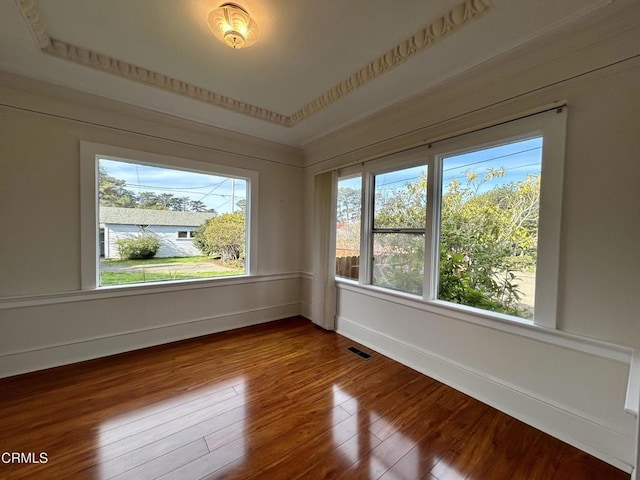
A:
401	198
146	214
489	227
348	227
398	261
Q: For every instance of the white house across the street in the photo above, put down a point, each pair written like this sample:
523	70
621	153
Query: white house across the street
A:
174	230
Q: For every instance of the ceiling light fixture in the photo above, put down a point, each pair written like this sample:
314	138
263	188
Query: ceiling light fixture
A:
232	25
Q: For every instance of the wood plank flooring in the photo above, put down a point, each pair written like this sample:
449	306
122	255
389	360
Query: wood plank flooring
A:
284	400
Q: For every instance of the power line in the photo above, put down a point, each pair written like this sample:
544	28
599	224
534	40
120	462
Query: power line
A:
221	205
171	188
510	169
177	190
491	159
477	163
213	189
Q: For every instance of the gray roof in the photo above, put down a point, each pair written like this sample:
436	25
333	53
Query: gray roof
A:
141	216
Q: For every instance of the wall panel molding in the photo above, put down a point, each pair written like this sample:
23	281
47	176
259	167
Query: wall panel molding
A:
14	363
25	301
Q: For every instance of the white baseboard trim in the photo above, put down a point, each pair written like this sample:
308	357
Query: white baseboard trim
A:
53	356
569	426
305	310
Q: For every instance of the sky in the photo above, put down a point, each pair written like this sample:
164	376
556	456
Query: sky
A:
214	191
518	159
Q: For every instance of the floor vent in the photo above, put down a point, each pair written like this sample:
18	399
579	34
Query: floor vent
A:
359	352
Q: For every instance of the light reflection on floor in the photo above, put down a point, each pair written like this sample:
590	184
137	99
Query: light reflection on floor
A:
367	448
193	427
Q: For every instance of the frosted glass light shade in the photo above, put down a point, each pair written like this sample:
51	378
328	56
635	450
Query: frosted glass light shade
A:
233	26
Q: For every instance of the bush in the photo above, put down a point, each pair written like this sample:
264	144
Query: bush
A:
138	248
223	236
478	284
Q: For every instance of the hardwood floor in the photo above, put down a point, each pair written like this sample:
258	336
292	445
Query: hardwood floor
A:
284	400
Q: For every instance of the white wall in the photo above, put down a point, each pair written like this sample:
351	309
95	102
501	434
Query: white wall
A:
570	384
45	318
170	244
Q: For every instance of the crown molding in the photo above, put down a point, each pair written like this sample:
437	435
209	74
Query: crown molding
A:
31	14
447	24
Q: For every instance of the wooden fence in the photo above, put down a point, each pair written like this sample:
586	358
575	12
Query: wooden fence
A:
348	267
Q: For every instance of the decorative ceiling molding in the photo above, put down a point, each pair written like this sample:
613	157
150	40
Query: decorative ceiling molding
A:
31	14
445	25
89	58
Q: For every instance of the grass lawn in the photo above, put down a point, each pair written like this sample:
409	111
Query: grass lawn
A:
120	278
153	261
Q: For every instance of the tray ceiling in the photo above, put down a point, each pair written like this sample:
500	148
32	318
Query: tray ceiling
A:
315	67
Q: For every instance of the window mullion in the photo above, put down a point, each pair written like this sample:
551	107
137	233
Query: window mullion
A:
398	230
432	230
366	227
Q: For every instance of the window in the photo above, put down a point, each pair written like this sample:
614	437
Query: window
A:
348	212
399	220
472	221
489	207
146	220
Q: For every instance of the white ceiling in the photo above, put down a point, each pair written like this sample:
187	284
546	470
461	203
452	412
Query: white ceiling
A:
304	49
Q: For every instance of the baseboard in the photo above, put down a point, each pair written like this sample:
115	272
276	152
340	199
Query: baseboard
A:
56	355
560	422
305	310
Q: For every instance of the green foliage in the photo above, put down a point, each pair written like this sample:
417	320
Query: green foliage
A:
404	208
120	278
153	261
137	248
348	207
112	192
242	205
223	236
485	238
348	219
466	283
399	261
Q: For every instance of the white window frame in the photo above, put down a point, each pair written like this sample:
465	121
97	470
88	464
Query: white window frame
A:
90	153
551	126
388	164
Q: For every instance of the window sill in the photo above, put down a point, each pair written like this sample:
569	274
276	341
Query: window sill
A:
171	285
496	321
